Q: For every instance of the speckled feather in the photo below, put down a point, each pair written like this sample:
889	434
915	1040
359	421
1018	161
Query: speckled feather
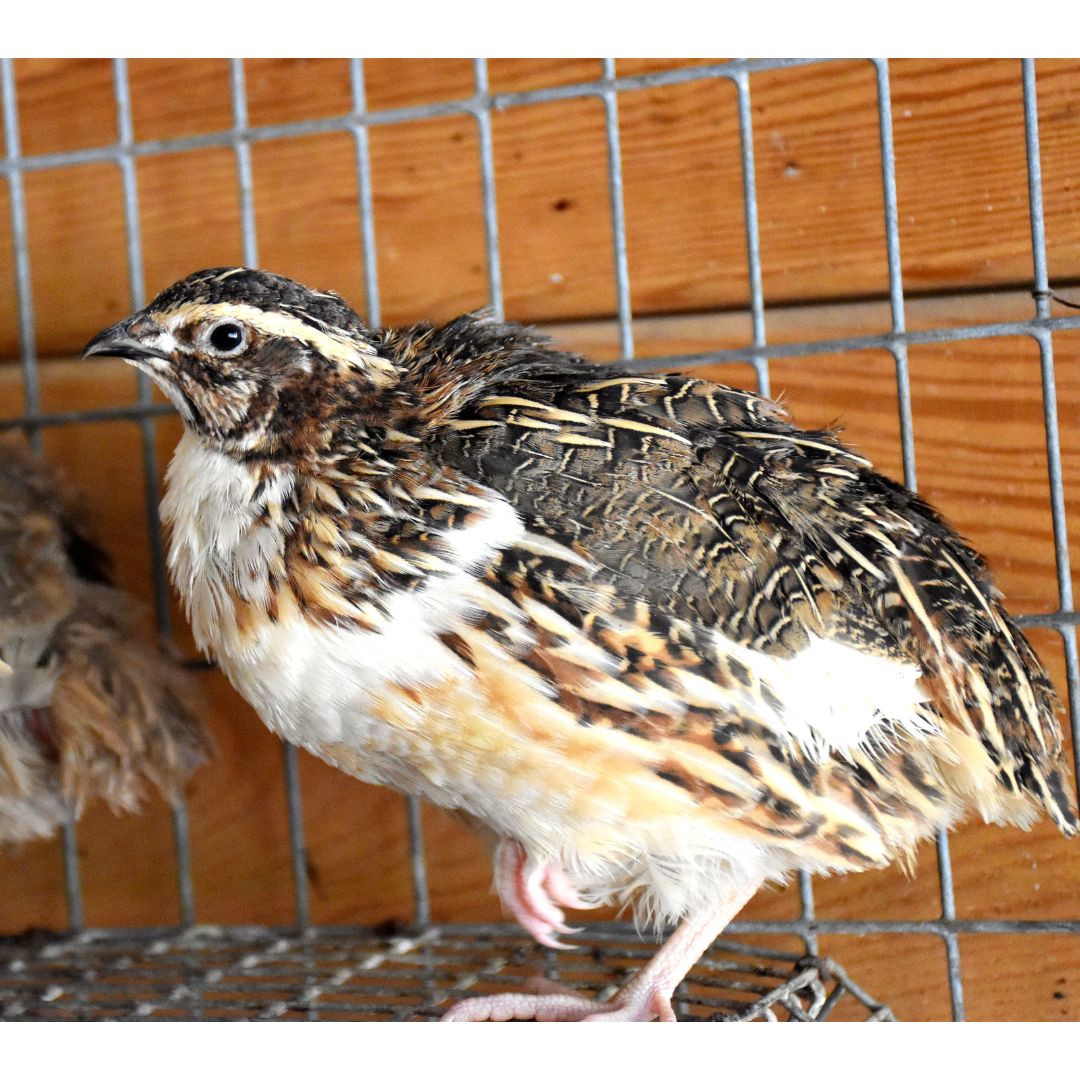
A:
702	506
644	626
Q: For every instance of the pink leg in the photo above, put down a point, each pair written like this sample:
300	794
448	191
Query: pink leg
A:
532	891
647	996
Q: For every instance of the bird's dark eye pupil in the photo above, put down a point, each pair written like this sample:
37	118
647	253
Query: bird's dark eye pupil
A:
227	337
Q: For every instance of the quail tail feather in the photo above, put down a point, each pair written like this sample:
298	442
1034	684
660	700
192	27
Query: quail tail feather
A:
935	596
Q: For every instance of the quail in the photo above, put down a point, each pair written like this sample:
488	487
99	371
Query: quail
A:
87	709
661	643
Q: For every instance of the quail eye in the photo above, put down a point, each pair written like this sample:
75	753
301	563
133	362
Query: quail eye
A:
227	337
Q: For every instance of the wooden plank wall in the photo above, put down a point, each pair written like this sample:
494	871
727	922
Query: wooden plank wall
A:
977	406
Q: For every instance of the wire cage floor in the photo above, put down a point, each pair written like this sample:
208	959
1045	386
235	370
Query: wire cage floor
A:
254	973
328	973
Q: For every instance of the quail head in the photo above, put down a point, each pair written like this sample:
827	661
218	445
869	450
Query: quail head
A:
663	644
87	710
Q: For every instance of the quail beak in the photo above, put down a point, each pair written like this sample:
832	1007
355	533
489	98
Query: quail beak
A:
123	340
146	346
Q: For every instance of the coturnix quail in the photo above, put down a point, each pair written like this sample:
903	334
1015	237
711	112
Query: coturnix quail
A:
661	642
86	710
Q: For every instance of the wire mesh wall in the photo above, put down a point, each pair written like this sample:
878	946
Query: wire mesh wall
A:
480	106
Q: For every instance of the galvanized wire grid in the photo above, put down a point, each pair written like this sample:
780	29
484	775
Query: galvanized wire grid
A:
256	973
126	151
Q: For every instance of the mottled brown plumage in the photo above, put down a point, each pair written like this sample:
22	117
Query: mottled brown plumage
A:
88	710
703	505
663	643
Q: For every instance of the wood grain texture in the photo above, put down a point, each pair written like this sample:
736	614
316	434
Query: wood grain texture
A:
977	406
961	177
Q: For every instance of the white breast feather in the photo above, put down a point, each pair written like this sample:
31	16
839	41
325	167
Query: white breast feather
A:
312	683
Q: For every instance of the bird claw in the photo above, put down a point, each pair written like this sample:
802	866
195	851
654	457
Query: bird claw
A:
532	892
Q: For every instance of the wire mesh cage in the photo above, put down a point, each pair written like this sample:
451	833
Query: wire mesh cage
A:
116	965
260	974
